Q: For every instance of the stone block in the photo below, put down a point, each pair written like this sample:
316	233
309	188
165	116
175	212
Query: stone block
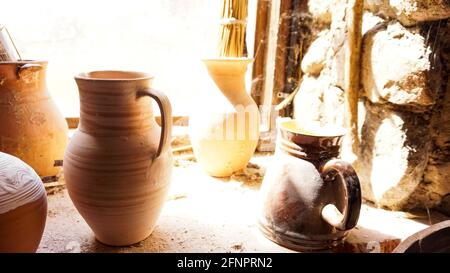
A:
397	68
322	11
410	12
395	148
308	103
314	60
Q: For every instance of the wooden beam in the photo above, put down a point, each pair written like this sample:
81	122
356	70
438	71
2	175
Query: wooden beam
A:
260	45
281	53
273	74
286	43
298	32
284	48
352	68
270	63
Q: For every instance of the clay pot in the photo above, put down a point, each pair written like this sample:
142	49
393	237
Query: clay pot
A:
118	163
306	188
31	126
224	133
434	239
23	206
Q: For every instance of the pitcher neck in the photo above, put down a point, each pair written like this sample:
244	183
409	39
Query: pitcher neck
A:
229	76
308	152
23	81
113	108
114	121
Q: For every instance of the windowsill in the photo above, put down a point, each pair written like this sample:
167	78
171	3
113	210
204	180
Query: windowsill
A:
205	214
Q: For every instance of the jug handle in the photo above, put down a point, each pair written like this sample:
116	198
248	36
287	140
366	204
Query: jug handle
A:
166	117
344	172
27	69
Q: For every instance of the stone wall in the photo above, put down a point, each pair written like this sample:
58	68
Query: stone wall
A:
404	109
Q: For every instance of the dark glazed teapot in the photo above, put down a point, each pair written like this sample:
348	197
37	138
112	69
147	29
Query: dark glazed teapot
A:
310	197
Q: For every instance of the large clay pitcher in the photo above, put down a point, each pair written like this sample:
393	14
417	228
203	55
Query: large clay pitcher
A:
31	126
119	162
224	133
311	198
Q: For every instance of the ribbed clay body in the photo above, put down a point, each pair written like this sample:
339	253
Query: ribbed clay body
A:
31	126
23	206
118	163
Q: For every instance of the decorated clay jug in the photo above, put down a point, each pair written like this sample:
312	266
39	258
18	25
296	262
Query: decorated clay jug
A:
23	206
118	163
311	198
225	132
31	126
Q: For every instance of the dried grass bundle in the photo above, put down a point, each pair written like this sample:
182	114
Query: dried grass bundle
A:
233	28
8	51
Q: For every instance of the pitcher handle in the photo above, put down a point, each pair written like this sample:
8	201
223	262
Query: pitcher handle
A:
24	70
166	117
344	172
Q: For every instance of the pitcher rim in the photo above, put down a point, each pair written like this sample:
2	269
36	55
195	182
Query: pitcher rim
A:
339	130
139	76
19	62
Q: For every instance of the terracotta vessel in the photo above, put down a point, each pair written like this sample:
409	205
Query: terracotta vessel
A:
31	126
119	162
23	206
434	239
306	188
224	133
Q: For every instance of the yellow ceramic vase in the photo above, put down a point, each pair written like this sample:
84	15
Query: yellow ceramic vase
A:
224	134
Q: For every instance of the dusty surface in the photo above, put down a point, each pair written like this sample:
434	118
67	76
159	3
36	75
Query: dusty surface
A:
204	214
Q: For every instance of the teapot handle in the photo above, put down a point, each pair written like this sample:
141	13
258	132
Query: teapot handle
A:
337	169
166	117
